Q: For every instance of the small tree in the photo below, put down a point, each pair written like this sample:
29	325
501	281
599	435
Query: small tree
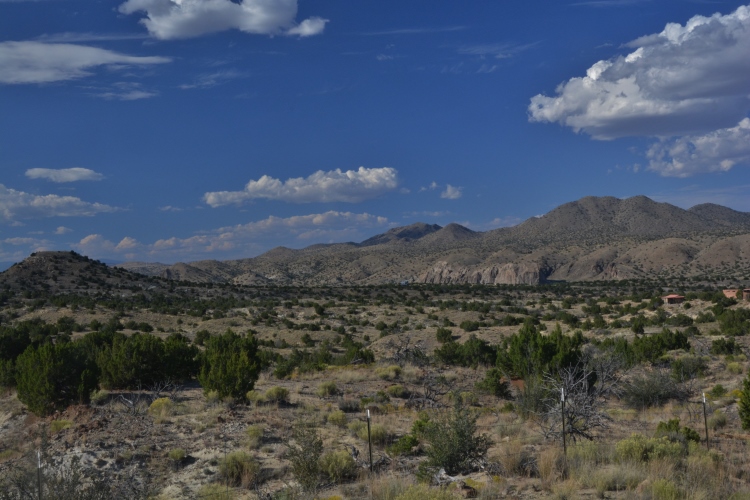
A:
229	365
454	442
304	454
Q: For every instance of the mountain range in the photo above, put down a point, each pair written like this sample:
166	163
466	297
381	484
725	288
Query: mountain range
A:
593	238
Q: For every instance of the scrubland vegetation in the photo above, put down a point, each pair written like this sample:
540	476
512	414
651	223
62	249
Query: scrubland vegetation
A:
261	392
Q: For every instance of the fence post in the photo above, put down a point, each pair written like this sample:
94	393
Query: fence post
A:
369	438
39	472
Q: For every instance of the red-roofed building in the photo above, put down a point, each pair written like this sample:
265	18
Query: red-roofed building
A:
673	299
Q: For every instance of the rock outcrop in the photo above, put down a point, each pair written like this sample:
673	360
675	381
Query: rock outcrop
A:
498	274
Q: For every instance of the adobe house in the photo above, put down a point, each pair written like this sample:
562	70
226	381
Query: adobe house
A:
736	293
673	299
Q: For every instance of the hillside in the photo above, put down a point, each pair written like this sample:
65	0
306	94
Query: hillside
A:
593	238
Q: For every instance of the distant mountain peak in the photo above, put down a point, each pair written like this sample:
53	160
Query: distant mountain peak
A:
411	232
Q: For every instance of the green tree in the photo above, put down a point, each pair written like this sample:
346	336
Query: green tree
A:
52	377
132	361
230	365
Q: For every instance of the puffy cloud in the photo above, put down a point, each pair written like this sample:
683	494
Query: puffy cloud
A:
64	174
687	85
452	192
717	151
351	186
170	19
62	230
18	204
37	62
689	79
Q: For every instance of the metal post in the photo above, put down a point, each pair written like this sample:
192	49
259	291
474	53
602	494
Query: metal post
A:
562	399
369	438
39	472
705	420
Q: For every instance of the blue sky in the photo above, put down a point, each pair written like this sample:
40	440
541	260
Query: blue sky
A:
179	130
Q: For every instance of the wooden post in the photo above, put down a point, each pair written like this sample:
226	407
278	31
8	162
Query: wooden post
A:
369	438
705	421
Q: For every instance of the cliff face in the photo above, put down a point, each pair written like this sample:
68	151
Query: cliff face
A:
499	274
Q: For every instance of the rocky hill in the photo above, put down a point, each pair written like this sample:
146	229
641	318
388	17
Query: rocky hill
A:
593	238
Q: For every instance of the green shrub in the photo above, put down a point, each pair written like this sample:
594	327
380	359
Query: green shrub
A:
688	367
378	433
161	408
338	465
718	391
397	391
495	383
653	388
424	492
215	492
743	405
671	429
388	372
277	394
349	405
718	420
327	389
254	435
734	368
177	455
54	376
239	469
337	418
132	362
255	397
454	442
304	455
444	335
725	346
664	489
229	365
639	448
58	425
404	445
356	427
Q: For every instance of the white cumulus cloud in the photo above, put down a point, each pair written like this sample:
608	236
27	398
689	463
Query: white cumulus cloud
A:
452	192
37	62
351	186
64	174
20	205
689	80
170	19
717	151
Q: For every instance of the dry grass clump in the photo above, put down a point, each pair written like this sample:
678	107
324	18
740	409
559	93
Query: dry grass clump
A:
390	372
516	460
338	465
239	469
161	409
277	395
215	491
337	418
389	487
58	425
327	389
254	436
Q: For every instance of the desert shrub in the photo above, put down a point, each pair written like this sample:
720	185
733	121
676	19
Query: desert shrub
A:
338	465
718	420
403	445
327	389
444	335
58	425
229	365
201	336
161	408
215	492
304	452
528	352
454	441
495	383
688	367
672	430
132	362
54	376
378	432
337	418
517	460
423	491
473	352
180	358
397	391
7	373
469	326
653	388
99	397
277	394
734	368
664	489
639	448
239	469
391	372
349	405
356	427
254	435
255	397
725	346
718	391
177	454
